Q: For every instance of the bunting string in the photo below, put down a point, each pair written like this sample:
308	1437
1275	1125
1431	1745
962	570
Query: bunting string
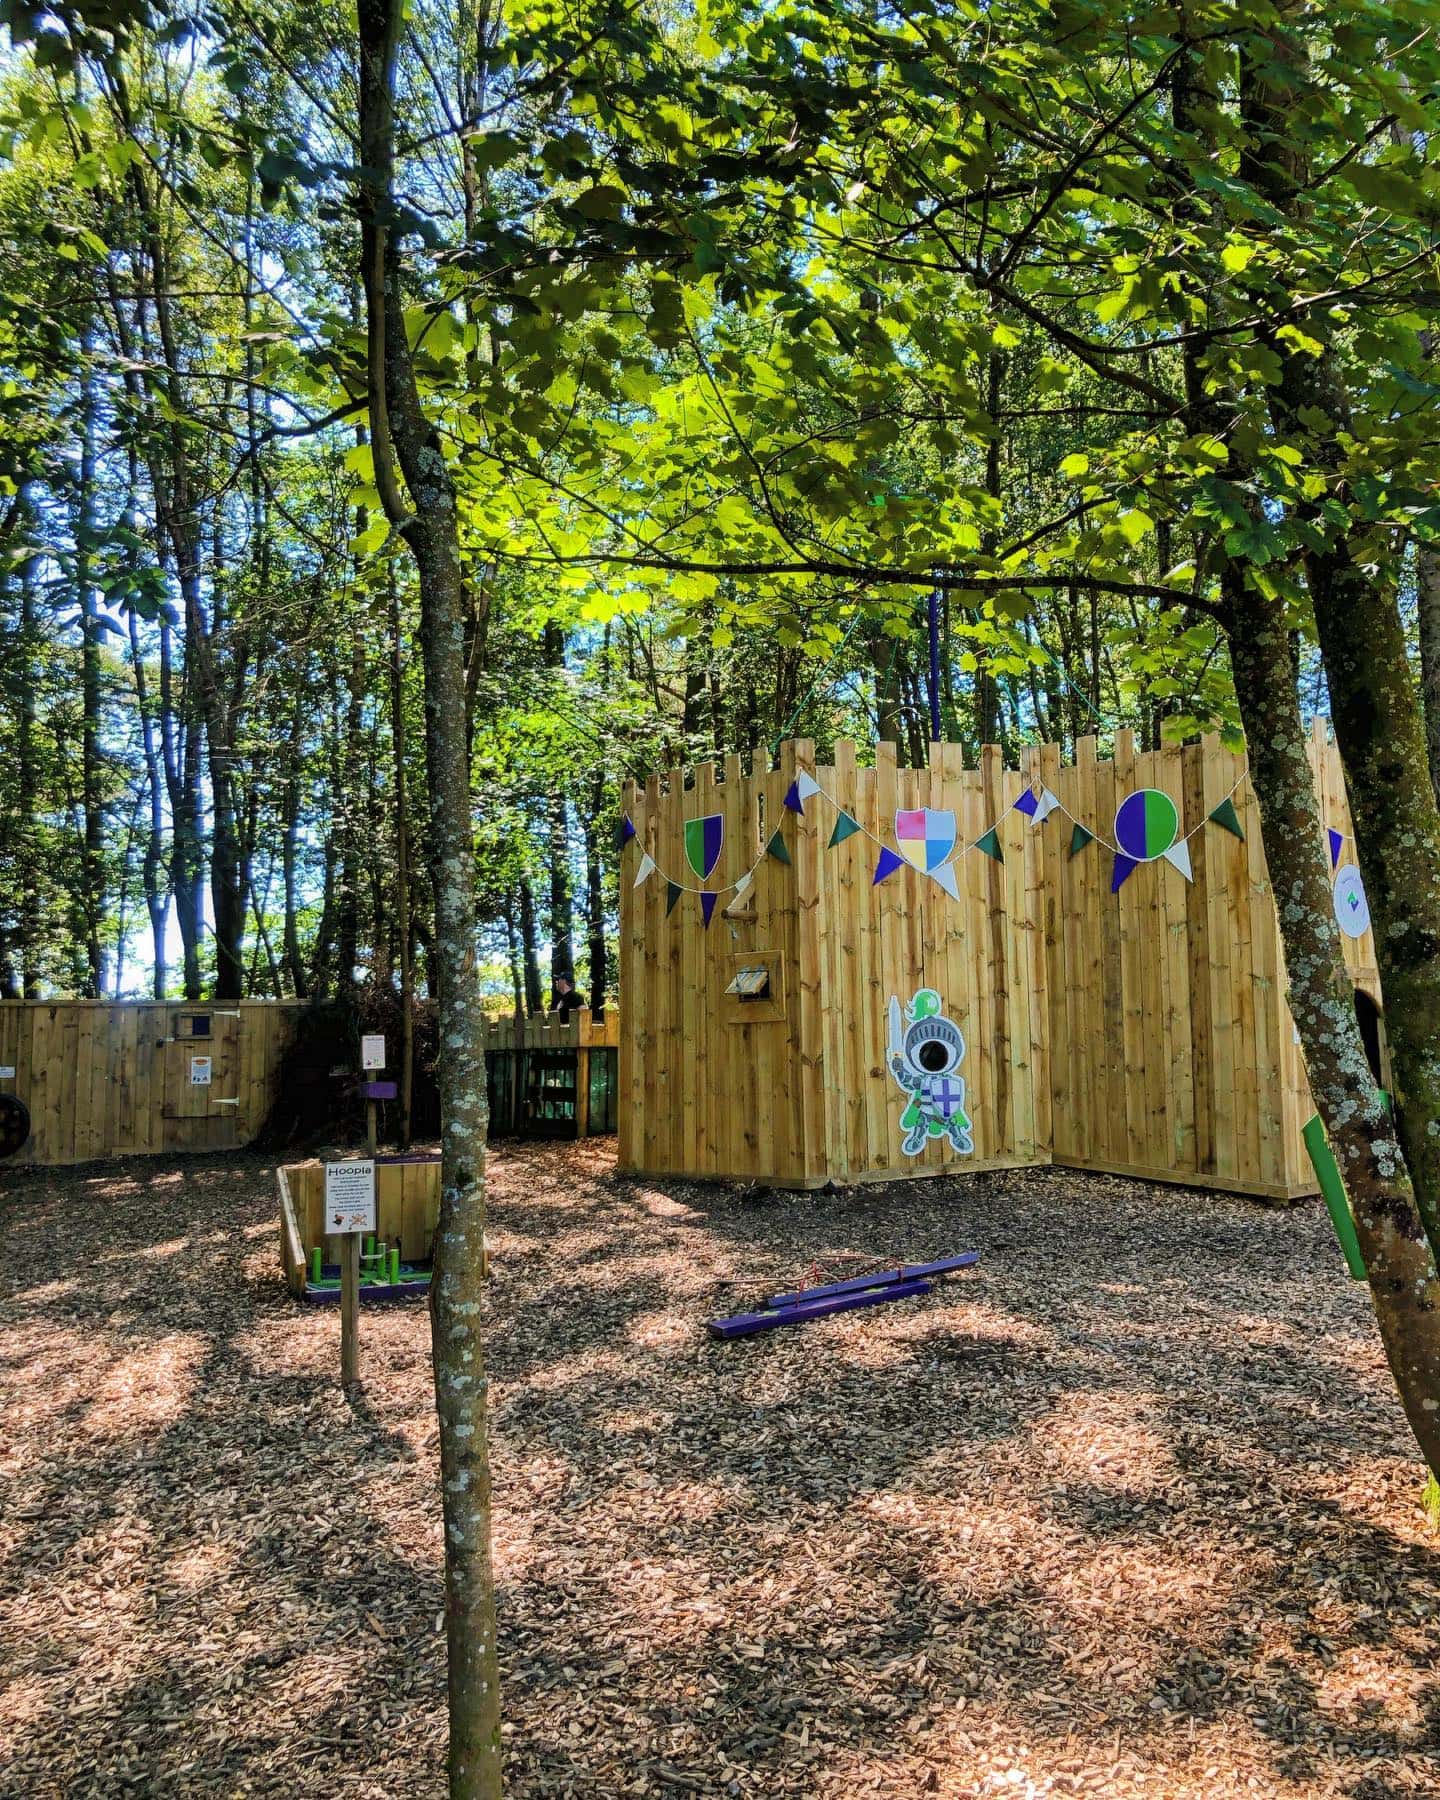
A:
1042	802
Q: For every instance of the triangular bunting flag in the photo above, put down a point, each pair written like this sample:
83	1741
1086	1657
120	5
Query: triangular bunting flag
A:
1027	803
1080	837
1337	844
742	887
624	831
1124	868
673	891
792	798
990	844
1045	805
1178	856
807	784
646	869
845	827
889	862
1225	814
776	847
707	906
945	875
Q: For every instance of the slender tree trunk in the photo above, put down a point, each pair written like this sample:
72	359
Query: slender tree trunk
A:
595	897
404	929
425	513
152	870
290	811
529	941
27	779
92	854
1427	608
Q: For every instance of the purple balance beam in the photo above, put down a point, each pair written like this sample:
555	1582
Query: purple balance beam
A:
857	1284
745	1324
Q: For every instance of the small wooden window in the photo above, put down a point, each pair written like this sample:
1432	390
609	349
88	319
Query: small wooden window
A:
755	992
194	1025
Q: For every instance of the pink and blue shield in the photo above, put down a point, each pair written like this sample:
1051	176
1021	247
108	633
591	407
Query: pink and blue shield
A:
926	837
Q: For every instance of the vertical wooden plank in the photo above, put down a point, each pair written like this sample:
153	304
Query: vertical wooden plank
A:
809	1021
630	951
390	1203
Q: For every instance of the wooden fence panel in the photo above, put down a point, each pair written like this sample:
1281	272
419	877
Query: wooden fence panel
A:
1138	1028
112	1078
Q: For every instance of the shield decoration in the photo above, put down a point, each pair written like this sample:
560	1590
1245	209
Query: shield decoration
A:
926	838
703	838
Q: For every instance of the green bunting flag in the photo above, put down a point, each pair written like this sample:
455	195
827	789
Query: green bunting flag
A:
990	844
776	847
1225	814
673	891
845	827
1079	838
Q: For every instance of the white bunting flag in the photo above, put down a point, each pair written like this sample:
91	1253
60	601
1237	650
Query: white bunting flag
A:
806	785
1044	806
945	875
1178	856
646	869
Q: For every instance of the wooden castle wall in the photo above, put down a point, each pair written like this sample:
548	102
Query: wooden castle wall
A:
112	1078
1143	1031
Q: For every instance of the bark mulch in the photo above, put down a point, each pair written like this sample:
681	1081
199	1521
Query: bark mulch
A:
1129	1510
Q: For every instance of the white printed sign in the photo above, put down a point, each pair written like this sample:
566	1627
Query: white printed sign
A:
199	1071
1352	909
350	1196
372	1053
7	1073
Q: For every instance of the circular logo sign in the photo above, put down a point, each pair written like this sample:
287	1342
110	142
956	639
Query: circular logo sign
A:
1146	824
1352	909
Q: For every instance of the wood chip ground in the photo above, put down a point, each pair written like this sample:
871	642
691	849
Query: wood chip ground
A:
1129	1510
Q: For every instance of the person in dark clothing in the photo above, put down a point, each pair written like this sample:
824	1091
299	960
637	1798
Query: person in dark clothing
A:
567	998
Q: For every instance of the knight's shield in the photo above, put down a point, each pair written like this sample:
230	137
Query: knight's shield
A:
925	837
703	838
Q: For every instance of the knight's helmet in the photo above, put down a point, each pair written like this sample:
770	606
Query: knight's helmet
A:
932	1043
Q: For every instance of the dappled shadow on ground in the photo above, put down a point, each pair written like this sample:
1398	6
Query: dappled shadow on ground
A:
1127	1510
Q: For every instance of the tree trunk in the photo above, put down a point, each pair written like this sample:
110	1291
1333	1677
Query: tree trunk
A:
92	849
1387	1220
425	513
1427	609
403	926
595	898
529	943
1397	1253
1373	702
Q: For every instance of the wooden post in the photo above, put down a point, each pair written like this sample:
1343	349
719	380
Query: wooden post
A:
370	1129
350	1308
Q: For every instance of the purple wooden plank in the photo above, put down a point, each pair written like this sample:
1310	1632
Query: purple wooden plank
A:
379	1090
744	1324
858	1283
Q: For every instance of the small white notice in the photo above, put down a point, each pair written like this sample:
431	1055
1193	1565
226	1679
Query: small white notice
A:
1352	909
7	1073
350	1196
199	1071
372	1053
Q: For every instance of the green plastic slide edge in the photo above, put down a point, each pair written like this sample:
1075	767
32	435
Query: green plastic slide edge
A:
1327	1173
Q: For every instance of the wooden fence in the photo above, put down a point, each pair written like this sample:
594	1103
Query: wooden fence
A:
114	1078
1143	1030
549	1079
407	1208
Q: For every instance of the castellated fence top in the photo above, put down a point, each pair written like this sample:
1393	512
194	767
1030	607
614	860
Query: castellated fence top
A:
1114	1011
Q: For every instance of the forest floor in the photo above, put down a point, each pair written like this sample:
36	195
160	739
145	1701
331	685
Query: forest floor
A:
1127	1510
